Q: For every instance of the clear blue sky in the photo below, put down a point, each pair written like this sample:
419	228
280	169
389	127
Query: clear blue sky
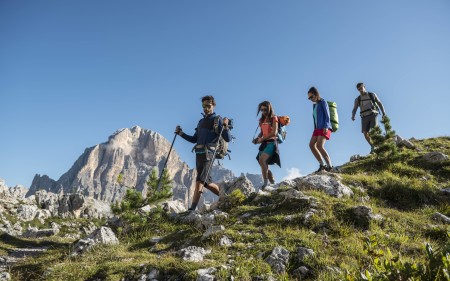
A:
73	72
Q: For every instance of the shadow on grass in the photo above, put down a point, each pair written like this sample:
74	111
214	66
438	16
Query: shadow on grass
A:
403	197
173	240
28	243
29	270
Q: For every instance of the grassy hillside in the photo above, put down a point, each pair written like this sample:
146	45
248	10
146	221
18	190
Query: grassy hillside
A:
406	191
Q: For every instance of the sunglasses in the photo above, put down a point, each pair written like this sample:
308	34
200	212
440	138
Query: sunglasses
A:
310	97
360	88
206	105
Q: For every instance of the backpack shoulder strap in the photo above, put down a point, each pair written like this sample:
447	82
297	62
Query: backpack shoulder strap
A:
371	95
216	124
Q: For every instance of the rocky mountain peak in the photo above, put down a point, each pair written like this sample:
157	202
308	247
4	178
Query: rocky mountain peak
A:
131	153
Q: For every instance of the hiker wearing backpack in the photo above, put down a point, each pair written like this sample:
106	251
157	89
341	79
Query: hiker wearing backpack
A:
267	138
322	130
205	138
368	104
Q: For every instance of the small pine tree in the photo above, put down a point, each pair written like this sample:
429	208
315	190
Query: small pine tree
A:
165	187
128	208
384	145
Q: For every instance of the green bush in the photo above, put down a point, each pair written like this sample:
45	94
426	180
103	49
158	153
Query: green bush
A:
387	266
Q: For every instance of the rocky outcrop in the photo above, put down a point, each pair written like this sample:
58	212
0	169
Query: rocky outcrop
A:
127	159
43	206
103	235
435	157
193	253
442	218
328	183
242	183
278	259
72	205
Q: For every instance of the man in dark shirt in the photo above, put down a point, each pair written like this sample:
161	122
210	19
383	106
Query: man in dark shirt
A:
205	137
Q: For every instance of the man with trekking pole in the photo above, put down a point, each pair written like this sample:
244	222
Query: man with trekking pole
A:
369	104
206	136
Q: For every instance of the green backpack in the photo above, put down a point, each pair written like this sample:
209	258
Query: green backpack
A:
333	115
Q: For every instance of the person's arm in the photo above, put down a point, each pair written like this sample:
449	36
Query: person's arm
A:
192	139
327	116
355	107
380	105
226	135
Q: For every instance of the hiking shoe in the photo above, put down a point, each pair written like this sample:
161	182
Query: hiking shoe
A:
270	176
321	168
329	168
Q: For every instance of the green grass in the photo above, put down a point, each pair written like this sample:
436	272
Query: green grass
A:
405	191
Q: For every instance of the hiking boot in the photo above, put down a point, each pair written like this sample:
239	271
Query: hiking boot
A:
321	168
329	168
270	176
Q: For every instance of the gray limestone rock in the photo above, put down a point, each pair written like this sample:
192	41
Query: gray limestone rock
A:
193	253
206	274
103	235
225	241
34	232
398	140
212	230
72	205
355	157
18	192
174	207
5	276
42	215
26	212
330	184
408	144
13	230
301	272
213	217
446	191
442	218
278	259
303	253
242	183
435	157
362	215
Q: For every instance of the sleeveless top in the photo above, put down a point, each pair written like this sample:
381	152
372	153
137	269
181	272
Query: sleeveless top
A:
266	127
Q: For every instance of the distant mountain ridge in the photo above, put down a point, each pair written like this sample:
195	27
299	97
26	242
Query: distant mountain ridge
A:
132	153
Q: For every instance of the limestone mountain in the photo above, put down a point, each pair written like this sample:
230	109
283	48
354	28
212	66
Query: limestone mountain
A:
104	171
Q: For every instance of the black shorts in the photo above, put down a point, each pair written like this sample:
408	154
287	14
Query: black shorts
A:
202	164
368	122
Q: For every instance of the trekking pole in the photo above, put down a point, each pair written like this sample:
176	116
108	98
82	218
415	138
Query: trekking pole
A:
165	163
254	135
213	158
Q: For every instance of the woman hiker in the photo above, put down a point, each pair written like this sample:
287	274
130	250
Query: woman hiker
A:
268	150
322	129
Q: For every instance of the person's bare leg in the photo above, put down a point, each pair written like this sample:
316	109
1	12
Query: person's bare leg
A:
214	188
314	150
197	193
321	147
366	135
263	163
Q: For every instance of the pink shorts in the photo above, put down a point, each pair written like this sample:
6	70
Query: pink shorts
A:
319	132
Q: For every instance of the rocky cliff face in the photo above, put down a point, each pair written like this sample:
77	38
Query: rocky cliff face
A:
132	154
